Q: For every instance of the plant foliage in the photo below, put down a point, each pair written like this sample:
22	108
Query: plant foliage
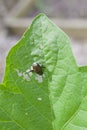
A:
58	101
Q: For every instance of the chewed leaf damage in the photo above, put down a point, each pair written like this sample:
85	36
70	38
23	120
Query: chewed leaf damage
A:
36	68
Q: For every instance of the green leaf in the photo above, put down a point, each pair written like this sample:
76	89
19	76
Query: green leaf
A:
55	101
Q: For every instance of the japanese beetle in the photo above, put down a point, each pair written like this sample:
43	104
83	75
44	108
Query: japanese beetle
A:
37	68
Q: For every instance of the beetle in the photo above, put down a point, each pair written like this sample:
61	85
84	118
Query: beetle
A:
37	68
